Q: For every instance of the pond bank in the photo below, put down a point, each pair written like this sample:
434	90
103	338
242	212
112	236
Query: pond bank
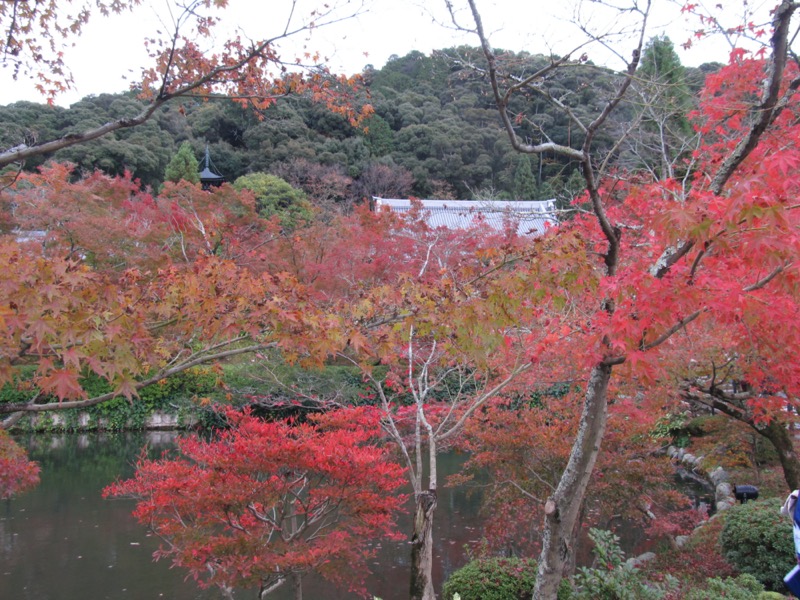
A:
182	418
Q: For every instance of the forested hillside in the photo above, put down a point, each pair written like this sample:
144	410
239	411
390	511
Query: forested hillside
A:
434	133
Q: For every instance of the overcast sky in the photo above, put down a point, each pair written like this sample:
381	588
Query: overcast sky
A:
110	53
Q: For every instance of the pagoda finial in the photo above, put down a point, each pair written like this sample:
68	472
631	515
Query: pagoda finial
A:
208	177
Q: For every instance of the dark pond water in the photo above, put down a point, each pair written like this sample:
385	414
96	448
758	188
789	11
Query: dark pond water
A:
62	541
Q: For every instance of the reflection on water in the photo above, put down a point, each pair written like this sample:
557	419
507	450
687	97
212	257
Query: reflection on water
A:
63	541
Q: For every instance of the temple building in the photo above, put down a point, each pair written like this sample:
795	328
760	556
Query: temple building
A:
530	217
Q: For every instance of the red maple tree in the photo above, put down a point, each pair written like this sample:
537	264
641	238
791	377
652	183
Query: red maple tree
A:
267	502
690	279
631	483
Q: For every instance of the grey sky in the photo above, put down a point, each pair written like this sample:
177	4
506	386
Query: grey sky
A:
109	54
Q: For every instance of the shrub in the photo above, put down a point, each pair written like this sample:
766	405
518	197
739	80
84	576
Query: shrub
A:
743	587
615	579
21	389
757	539
276	198
197	381
246	378
671	429
492	579
175	394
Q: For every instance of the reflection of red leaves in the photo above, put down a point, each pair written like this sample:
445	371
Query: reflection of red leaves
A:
17	473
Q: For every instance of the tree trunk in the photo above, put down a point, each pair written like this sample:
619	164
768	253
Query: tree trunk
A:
422	547
781	438
562	509
297	583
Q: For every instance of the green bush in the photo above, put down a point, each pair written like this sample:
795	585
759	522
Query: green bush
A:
197	381
743	587
275	197
671	428
492	579
18	391
168	394
757	539
344	383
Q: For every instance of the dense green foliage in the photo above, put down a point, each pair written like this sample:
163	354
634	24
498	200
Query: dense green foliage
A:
757	539
175	395
183	166
744	587
524	183
344	384
276	198
664	132
434	123
492	579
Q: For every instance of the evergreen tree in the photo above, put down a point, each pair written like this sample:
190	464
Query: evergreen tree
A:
665	100
379	136
276	198
546	191
662	65
524	181
183	166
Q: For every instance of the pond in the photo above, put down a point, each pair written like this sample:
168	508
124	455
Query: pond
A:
62	540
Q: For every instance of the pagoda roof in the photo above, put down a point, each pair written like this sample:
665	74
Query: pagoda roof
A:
209	175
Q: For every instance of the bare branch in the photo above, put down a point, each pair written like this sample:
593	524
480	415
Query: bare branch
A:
216	75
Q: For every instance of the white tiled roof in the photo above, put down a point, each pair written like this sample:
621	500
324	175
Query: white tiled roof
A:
532	217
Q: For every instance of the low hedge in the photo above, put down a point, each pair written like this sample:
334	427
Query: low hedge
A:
757	539
492	579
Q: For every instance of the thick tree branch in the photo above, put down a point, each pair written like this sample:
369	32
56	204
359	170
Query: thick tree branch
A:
502	99
192	361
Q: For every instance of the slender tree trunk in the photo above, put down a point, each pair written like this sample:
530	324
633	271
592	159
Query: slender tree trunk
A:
297	583
781	438
422	547
562	509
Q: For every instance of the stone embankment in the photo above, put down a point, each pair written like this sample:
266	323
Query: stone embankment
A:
718	478
157	420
